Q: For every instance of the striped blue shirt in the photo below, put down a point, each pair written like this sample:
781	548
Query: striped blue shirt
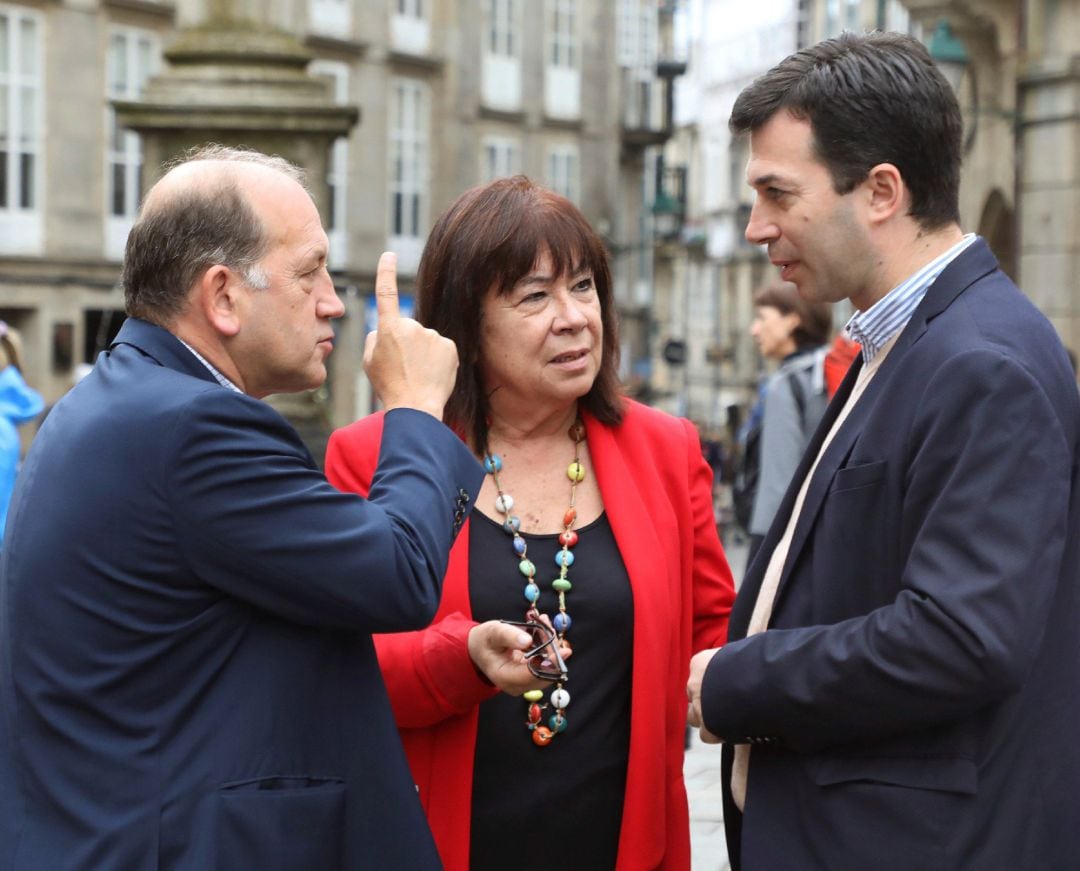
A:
890	314
221	379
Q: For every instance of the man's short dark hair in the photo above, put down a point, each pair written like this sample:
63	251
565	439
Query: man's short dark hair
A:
870	98
175	241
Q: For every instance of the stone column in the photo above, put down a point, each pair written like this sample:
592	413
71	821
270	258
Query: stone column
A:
236	75
237	78
1049	191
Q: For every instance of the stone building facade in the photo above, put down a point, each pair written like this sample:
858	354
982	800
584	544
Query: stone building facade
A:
1018	80
450	93
707	272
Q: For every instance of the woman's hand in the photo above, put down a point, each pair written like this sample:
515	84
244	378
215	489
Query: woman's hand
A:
498	652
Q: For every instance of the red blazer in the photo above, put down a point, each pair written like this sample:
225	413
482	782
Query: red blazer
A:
657	492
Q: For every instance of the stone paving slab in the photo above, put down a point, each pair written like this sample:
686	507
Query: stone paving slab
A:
701	769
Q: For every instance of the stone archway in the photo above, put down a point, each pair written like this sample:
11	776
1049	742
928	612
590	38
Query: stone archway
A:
997	225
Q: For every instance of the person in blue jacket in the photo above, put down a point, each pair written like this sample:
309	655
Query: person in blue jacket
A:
19	404
187	676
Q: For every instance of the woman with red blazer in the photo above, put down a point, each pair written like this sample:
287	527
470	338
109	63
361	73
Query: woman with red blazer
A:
555	739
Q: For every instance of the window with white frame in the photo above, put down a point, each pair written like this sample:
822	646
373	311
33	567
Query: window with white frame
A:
409	28
502	55
331	17
409	172
832	17
563	50
853	9
898	18
503	38
562	76
337	172
636	42
642	271
132	59
563	171
638	34
804	27
501	158
20	131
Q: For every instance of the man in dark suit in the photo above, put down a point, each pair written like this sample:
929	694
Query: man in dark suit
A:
900	687
187	678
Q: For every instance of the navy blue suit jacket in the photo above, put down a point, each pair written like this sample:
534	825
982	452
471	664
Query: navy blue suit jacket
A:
915	701
187	678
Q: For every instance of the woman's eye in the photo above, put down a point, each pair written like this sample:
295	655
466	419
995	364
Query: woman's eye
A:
584	284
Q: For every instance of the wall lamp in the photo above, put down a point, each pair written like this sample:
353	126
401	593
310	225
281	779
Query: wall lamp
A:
951	56
949	53
667	216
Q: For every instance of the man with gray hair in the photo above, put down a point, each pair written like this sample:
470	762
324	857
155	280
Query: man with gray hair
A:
187	678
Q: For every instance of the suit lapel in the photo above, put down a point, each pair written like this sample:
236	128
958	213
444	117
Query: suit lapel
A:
755	572
967	268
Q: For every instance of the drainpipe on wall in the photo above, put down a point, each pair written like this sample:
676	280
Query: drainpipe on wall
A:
1018	135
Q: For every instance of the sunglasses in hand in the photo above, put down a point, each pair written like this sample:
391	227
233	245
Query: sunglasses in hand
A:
543	657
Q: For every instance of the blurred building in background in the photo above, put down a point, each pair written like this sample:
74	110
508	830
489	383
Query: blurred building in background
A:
449	94
707	271
396	106
1016	67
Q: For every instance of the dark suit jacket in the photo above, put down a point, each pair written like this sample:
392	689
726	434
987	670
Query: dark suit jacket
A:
187	678
915	701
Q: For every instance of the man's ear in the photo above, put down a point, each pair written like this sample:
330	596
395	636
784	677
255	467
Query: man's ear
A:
219	296
888	195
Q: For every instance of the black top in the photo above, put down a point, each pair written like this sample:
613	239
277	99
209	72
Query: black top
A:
558	806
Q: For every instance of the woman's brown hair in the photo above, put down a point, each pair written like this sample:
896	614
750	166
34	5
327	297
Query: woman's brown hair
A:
815	318
490	238
10	347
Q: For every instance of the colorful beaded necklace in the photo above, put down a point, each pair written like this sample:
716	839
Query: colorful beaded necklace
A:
564	558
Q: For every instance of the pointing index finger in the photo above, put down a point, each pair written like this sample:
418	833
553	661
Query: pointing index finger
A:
386	292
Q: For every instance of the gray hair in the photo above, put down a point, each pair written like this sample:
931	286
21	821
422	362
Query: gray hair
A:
180	234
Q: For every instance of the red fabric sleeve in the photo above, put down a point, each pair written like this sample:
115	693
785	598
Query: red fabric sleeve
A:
429	674
713	585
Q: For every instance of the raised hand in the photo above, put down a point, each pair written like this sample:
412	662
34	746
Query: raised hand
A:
409	365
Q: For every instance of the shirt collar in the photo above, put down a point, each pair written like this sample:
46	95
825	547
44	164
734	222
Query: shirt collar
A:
221	379
889	315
